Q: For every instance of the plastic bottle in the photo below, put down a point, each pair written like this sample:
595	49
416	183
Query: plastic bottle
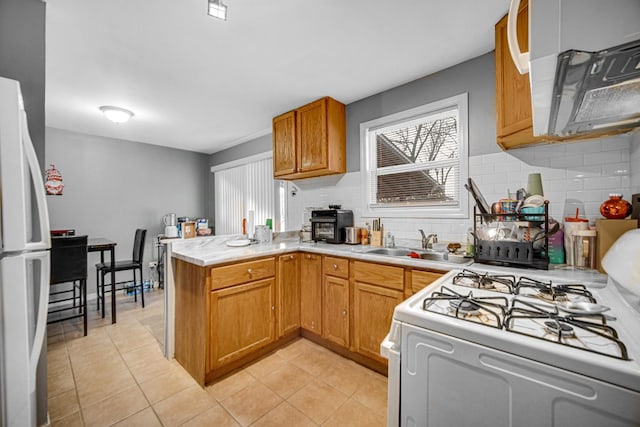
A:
470	244
556	247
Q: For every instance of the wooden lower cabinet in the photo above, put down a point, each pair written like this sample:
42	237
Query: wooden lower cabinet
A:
373	311
311	292
420	279
242	320
335	310
288	294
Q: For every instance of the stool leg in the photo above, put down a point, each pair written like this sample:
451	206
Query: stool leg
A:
141	287
74	293
135	294
102	286
98	288
83	285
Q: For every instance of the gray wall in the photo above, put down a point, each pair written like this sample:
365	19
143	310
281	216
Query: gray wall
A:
22	58
114	186
476	76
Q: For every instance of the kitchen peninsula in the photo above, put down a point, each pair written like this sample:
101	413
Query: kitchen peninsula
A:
233	305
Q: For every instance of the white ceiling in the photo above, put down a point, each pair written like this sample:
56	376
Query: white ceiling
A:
202	84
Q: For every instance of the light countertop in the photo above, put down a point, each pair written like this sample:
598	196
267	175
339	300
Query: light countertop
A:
213	250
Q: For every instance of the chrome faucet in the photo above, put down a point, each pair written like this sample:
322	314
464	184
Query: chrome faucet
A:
428	241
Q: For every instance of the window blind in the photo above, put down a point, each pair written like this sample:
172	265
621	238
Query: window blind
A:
240	189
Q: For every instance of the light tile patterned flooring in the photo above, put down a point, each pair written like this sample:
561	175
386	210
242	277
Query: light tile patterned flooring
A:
117	375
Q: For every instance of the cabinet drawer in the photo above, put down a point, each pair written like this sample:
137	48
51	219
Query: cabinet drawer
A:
420	279
381	275
338	267
222	277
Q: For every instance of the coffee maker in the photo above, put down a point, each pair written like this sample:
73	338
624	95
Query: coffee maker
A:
170	225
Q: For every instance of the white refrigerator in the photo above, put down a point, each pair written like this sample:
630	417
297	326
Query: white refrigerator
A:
24	262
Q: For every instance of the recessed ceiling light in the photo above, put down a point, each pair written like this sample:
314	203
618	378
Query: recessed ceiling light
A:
217	9
116	114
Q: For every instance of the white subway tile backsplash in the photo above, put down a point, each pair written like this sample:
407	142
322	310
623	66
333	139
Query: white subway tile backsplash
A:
589	146
568	161
602	183
585	172
620	168
481	169
603	157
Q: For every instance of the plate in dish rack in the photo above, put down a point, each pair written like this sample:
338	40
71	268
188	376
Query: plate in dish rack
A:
238	243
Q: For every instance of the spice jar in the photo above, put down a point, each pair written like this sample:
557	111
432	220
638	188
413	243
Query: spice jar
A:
615	207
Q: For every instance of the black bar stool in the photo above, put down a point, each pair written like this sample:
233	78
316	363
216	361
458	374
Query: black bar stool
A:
68	265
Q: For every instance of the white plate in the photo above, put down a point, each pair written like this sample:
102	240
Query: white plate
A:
238	243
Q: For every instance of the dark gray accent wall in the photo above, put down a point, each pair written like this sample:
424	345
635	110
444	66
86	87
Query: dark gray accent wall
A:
476	77
114	186
22	58
255	146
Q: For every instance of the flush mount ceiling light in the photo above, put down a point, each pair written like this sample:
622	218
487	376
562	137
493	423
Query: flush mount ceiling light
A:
217	9
116	114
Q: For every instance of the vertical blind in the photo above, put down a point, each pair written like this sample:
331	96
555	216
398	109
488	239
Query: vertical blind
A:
241	189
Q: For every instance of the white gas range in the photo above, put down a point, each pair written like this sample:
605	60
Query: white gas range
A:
479	349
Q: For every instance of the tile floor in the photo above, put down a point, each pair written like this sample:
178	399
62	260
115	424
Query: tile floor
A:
117	375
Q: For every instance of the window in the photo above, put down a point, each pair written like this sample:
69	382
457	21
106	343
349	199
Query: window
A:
414	163
244	186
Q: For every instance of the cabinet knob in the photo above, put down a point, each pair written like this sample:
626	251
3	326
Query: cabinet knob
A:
250	271
273	308
292	257
308	256
344	312
335	266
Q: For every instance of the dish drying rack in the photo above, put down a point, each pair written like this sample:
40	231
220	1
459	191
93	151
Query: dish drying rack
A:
508	252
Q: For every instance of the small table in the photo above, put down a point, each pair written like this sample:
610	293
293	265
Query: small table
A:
100	244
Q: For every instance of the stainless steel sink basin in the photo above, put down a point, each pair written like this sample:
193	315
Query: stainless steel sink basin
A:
389	251
425	255
444	257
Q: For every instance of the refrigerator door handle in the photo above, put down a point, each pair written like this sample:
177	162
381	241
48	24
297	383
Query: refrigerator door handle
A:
41	315
34	168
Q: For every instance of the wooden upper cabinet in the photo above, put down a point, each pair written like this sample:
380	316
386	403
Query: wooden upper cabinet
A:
514	125
310	141
311	293
288	294
284	152
311	133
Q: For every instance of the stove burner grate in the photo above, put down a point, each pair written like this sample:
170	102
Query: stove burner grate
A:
562	329
556	327
489	311
553	292
498	282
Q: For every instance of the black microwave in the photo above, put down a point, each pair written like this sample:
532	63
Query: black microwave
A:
329	224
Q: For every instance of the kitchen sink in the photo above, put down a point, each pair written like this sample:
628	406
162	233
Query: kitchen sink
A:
425	255
390	251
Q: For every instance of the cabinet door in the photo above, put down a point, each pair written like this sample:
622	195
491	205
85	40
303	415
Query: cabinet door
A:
373	311
335	320
311	293
242	320
421	279
284	144
288	294
513	95
312	136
